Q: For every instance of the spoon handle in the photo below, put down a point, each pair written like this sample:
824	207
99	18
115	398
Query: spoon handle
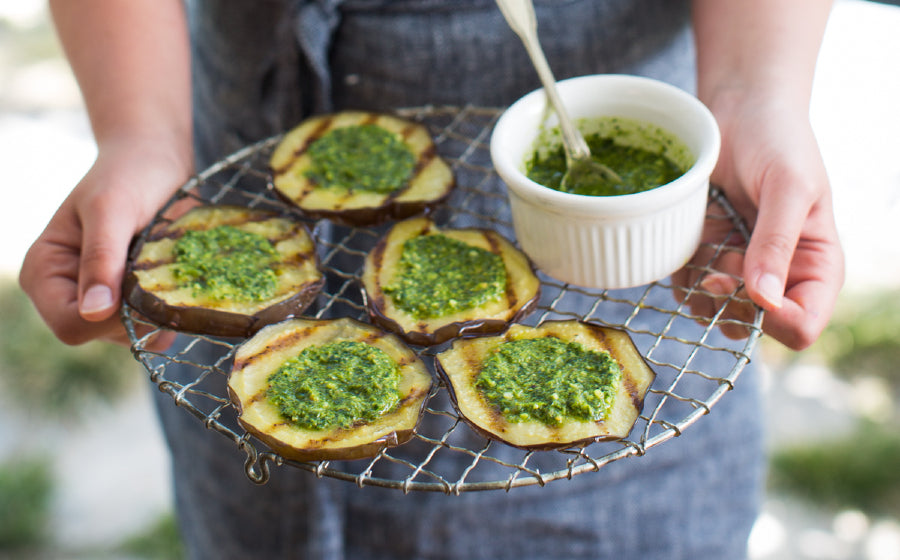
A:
519	14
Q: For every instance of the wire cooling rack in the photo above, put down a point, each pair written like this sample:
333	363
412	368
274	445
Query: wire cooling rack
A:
695	365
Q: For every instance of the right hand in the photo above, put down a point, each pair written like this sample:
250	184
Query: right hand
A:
73	272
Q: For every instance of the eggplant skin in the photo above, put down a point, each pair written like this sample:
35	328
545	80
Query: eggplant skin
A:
460	364
261	355
521	297
431	183
150	288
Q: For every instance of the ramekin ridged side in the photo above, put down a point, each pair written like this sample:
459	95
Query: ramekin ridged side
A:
609	253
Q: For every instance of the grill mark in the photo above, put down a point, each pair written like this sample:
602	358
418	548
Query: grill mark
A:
374	336
629	385
294	231
145	265
295	260
599	335
473	364
408	130
293	336
283	341
323	126
497	246
235	221
167	234
627	380
415	392
370	337
336	434
379	251
377	263
423	160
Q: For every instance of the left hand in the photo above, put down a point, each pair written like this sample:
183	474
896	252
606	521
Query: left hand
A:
772	172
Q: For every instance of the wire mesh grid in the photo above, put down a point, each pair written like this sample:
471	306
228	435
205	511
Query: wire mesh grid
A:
695	365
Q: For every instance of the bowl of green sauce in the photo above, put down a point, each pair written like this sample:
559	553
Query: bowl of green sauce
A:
662	142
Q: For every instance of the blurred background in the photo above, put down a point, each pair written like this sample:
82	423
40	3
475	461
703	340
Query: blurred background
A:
83	468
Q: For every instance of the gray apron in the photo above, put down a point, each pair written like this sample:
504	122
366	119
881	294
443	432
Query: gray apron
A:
260	67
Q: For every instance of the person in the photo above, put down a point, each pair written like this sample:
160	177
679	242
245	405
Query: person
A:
169	90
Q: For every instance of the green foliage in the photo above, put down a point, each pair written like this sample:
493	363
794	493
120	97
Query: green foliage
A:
40	373
25	490
857	471
863	338
161	541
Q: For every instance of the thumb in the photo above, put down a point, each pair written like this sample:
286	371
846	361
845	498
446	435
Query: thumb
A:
776	233
104	249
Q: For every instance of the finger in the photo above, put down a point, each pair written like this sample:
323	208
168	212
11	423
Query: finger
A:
105	242
49	277
809	301
780	221
717	231
793	325
147	338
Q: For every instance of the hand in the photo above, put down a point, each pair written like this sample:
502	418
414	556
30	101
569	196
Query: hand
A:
73	272
772	173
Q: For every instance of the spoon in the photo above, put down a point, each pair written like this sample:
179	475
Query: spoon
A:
581	169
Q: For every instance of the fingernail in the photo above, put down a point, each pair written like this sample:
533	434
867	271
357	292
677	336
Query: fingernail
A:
96	299
771	289
718	284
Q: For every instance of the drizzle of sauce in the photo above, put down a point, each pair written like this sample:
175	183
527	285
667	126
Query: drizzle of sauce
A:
362	157
335	385
549	380
226	263
439	275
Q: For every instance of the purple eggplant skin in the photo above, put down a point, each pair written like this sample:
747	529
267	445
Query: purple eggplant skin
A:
213	322
148	286
459	365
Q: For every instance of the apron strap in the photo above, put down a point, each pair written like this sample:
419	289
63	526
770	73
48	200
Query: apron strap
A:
314	26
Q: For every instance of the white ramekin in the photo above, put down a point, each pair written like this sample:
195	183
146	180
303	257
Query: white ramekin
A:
613	241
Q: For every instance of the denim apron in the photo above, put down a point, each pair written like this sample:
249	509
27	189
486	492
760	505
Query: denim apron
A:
260	67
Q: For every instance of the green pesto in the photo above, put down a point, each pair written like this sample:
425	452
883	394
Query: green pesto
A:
226	263
362	157
335	385
439	276
644	156
549	380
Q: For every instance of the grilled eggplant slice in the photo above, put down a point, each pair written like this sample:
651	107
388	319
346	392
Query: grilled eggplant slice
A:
260	356
461	364
152	287
515	300
349	201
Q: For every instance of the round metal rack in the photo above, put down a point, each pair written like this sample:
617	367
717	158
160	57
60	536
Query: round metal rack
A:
695	365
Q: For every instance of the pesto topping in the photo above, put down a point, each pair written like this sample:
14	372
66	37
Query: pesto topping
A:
361	157
335	385
644	156
439	276
549	380
226	263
